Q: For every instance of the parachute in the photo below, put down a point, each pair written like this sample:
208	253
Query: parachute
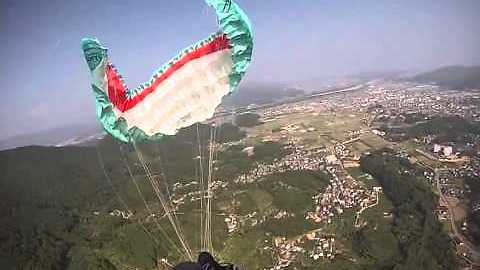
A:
184	91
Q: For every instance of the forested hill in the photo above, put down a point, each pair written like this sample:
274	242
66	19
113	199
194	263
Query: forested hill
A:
422	241
453	77
44	191
48	197
62	176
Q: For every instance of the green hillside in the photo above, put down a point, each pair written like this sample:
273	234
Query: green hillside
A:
453	77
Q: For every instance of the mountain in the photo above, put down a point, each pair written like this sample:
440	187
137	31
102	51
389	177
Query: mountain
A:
61	136
57	202
326	83
260	93
453	77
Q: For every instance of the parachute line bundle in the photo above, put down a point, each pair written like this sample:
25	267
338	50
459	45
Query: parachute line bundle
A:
184	91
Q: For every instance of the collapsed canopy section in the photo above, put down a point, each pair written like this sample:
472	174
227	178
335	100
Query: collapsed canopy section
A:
186	90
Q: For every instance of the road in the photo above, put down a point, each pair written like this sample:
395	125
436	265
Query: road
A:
245	109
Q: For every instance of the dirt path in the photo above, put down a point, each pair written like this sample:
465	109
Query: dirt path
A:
471	248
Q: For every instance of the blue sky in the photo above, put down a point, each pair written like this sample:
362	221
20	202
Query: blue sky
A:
45	79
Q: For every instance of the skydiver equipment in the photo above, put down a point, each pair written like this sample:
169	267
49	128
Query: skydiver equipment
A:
205	262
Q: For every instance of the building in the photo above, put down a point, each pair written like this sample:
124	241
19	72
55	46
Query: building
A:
250	151
447	151
331	159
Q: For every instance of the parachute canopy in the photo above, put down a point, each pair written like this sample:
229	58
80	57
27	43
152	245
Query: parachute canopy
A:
184	91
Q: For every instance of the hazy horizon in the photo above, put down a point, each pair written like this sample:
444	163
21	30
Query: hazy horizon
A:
46	78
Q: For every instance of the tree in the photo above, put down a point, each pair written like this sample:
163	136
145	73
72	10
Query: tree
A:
247	120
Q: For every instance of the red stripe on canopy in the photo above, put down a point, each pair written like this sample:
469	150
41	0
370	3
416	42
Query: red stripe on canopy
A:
117	92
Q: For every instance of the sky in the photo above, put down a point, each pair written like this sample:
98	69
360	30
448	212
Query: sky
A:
45	80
